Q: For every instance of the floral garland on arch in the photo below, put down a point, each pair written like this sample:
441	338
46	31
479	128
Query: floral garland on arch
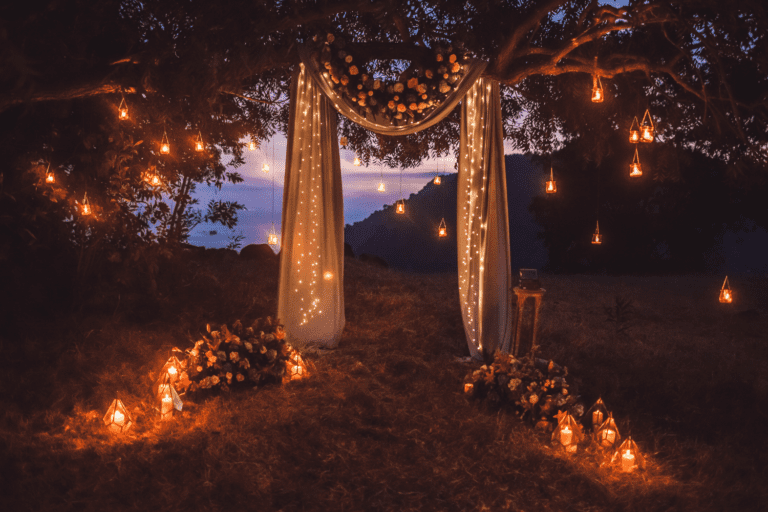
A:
418	90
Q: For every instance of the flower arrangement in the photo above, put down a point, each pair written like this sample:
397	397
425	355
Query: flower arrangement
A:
240	357
536	388
418	90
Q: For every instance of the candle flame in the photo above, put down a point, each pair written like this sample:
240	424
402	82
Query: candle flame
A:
118	417
172	370
49	178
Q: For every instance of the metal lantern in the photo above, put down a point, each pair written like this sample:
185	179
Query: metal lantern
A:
597	90
635	169
251	146
272	237
199	142
628	456
295	367
117	419
634	131
648	131
597	414
568	432
86	206
400	206
442	231
356	162
122	110
607	434
597	238
165	146
726	294
551	184
381	187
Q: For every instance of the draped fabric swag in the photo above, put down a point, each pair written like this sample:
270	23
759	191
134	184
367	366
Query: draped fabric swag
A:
311	290
311	302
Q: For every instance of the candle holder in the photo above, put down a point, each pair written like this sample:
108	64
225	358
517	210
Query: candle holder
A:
628	457
607	435
117	419
596	414
568	432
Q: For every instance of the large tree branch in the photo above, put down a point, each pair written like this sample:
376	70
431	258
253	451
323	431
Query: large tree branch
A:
59	92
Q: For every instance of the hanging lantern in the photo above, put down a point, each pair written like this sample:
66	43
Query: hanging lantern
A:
551	184
597	90
328	275
597	238
49	177
726	294
272	237
265	167
381	187
437	180
442	231
607	434
628	456
152	179
343	141
400	206
165	146
251	146
356	162
199	141
597	414
635	169
568	432
647	128
634	131
122	110
86	206
117	419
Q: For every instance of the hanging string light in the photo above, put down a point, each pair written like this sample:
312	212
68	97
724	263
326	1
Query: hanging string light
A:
122	110
442	231
165	146
551	184
635	169
152	179
634	131
199	142
49	177
597	90
86	206
401	202
647	128
597	238
272	239
726	294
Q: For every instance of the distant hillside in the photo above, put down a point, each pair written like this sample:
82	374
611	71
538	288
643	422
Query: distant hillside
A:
410	242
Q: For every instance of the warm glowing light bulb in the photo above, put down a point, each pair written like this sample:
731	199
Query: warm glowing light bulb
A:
328	275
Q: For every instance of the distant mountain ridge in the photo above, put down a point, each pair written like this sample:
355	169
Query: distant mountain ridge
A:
409	241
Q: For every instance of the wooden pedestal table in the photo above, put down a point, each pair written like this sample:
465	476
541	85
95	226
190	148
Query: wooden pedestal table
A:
522	296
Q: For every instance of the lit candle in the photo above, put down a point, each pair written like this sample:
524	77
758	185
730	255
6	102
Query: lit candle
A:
118	418
566	436
199	146
166	407
634	136
172	370
608	437
123	114
165	148
597	418
49	178
627	461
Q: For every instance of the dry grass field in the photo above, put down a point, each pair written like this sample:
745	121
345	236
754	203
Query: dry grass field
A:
383	423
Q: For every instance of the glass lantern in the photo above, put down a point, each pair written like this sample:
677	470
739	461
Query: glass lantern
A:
165	146
634	131
251	146
382	188
122	110
199	142
551	184
437	180
117	419
648	131
442	231
356	162
726	294
49	176
86	206
628	457
597	414
635	169
597	90
272	238
597	238
607	434
400	207
567	433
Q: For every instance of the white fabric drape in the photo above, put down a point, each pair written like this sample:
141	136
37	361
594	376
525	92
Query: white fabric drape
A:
311	289
485	278
379	124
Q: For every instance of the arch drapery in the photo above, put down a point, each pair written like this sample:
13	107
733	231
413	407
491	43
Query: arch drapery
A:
311	300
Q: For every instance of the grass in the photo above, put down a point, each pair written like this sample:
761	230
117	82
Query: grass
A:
383	423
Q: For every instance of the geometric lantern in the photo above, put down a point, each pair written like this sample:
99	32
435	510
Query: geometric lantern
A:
86	206
169	399
647	128
199	141
400	206
295	367
635	169
442	231
551	185
597	90
628	456
123	110
568	432
165	147
726	294
634	132
117	419
597	238
607	435
597	414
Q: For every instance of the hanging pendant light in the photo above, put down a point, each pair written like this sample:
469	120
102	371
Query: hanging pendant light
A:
199	142
343	141
356	162
86	206
597	238
49	177
726	294
635	169
597	90
152	179
551	184
437	174
442	231
381	187
272	237
122	110
647	128
400	206
165	146
265	167
634	131
437	180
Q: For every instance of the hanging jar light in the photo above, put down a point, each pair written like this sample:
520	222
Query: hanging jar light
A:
343	141
199	141
647	128
122	110
356	162
400	206
551	184
165	146
635	169
628	457
117	419
49	177
597	90
251	146
381	187
726	294
437	174
272	239
86	206
442	231
152	179
597	238
607	434
634	131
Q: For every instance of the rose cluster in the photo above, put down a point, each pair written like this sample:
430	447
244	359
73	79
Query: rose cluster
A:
419	89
